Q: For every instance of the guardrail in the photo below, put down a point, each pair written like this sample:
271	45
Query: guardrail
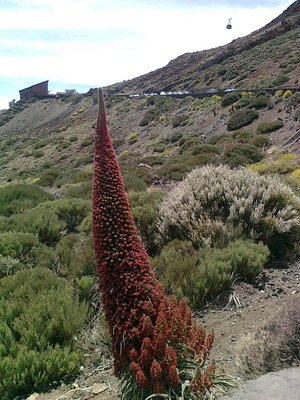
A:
202	93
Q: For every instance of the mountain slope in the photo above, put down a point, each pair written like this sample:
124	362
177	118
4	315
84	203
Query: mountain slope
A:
54	136
276	46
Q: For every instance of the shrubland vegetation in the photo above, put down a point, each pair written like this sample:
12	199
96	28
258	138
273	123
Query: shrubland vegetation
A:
39	318
217	225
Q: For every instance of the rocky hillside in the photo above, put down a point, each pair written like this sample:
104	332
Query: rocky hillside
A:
54	136
267	57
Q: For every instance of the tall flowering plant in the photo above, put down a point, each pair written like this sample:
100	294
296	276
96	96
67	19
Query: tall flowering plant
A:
157	348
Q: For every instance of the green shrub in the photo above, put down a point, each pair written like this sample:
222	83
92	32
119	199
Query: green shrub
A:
87	141
41	143
88	159
84	286
81	190
38	153
242	136
241	154
233	159
260	141
221	139
45	257
280	80
16	198
281	163
175	137
246	258
205	148
145	206
287	94
70	211
40	221
241	118
177	268
259	101
180	120
188	144
39	317
159	147
200	275
86	224
149	116
153	160
48	178
133	138
73	176
266	127
213	202
18	247
162	104
75	256
133	183
177	167
229	99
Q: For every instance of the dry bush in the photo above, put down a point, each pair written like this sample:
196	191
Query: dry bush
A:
273	347
216	202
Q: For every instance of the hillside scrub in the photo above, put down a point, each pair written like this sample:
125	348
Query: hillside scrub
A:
71	211
213	205
200	275
241	118
260	100
40	221
39	317
280	163
16	251
266	127
15	198
229	99
144	207
149	331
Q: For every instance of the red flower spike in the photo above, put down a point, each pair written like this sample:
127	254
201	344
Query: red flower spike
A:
146	358
171	357
146	326
135	368
155	371
141	380
173	376
133	355
158	388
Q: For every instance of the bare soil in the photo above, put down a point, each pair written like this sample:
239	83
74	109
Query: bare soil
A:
244	309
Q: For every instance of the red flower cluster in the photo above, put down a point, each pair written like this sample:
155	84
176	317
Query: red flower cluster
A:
203	379
148	329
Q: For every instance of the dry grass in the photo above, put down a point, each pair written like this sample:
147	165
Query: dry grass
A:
275	346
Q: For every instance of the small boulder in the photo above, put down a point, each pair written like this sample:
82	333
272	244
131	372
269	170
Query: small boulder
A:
99	388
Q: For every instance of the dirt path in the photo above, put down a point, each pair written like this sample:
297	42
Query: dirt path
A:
257	303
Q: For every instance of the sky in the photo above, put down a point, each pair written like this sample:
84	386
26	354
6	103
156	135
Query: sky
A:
79	44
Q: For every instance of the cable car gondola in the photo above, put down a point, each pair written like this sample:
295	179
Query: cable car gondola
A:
229	26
